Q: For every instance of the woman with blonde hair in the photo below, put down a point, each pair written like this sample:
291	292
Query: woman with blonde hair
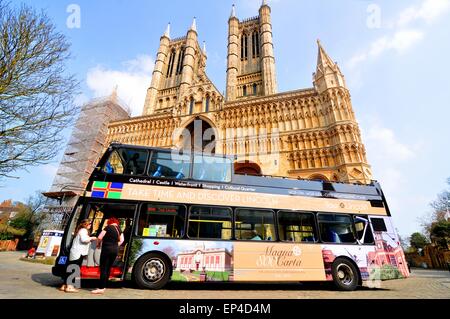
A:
79	250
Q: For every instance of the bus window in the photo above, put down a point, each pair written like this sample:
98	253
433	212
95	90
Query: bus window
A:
210	223
126	161
100	213
378	224
163	165
336	228
254	225
363	231
96	218
162	221
114	165
296	227
212	168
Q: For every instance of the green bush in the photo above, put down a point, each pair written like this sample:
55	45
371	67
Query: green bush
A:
9	232
386	272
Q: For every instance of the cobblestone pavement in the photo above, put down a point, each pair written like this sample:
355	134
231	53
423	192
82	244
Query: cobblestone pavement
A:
19	279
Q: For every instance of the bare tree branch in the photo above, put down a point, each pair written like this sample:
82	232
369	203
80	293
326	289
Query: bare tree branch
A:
36	94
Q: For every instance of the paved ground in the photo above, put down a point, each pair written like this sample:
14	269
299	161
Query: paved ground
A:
19	279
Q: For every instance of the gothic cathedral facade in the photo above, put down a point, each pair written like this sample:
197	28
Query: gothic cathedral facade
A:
308	133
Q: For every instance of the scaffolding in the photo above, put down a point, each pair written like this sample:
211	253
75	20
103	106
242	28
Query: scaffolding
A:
84	149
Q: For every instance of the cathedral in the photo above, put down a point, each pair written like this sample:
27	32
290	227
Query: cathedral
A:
309	133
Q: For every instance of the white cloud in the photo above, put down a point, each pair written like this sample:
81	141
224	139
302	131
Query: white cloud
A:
400	42
386	153
404	37
389	158
132	81
386	147
428	11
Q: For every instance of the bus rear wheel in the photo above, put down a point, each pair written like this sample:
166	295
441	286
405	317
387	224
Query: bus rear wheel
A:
345	275
152	271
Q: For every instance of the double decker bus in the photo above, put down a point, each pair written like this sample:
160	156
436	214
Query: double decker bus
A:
189	217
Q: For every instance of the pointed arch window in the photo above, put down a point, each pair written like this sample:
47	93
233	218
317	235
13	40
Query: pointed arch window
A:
255	89
257	43
171	63
246	47
242	47
180	60
244	90
191	106
207	102
253	45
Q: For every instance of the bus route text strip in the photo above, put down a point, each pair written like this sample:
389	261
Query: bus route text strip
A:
233	198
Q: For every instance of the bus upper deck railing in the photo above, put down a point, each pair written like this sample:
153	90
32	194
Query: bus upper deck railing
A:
263	180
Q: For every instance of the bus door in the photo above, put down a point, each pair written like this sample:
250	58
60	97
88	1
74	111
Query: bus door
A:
99	214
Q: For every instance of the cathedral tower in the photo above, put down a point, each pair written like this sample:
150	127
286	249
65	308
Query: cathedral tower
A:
311	132
158	74
251	61
180	67
329	83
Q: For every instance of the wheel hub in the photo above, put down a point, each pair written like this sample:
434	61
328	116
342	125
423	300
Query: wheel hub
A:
345	274
154	270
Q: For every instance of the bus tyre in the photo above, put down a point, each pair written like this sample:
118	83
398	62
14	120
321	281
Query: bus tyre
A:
345	275
152	271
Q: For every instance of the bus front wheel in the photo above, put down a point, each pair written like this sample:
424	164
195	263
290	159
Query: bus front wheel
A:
152	271
345	275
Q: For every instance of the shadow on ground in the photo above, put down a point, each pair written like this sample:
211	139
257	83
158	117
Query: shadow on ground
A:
306	286
47	279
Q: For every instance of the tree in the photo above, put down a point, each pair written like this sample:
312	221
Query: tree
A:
404	242
36	94
418	241
30	215
440	211
440	233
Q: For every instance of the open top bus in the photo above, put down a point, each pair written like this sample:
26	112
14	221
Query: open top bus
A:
189	217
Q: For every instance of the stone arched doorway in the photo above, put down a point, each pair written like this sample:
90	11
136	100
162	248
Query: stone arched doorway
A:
199	136
318	177
247	168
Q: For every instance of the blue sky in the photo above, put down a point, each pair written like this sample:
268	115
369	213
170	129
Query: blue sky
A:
394	55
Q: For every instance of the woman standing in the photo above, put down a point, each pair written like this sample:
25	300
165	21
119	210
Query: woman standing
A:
79	249
110	238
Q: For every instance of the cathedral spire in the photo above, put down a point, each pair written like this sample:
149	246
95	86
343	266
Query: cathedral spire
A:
167	33
323	59
327	73
204	48
233	12
194	25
